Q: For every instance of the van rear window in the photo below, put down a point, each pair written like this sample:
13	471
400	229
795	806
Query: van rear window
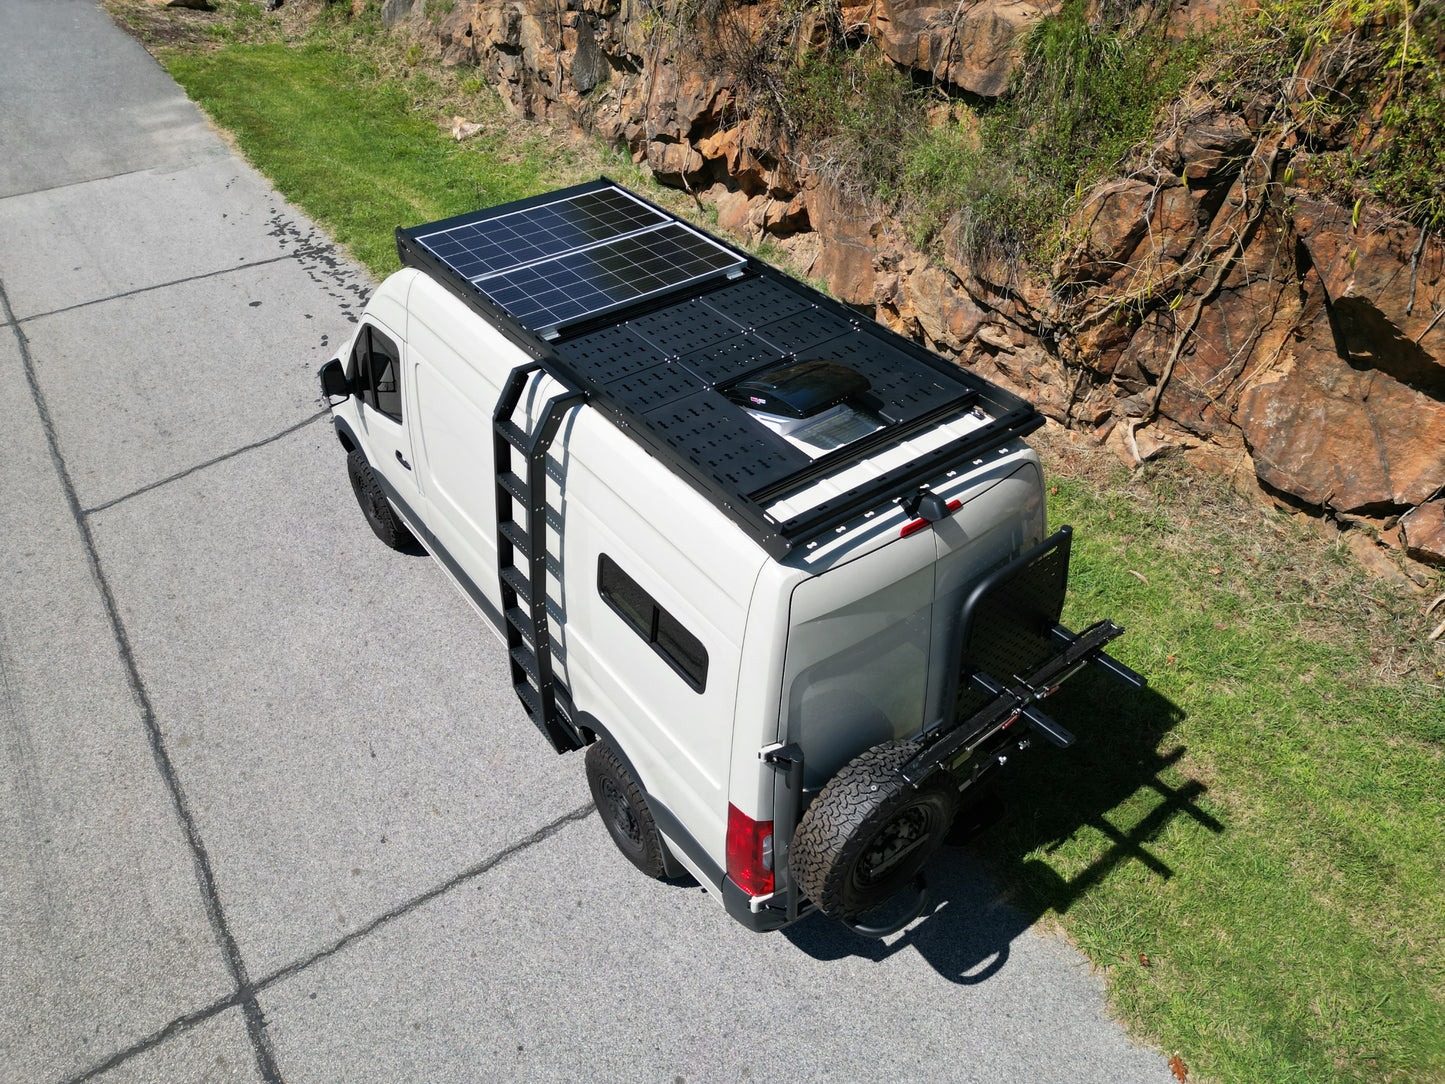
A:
679	648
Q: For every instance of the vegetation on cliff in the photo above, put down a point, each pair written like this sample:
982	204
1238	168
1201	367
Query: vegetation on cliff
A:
1091	97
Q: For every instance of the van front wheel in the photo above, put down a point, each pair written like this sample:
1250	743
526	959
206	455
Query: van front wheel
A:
623	810
867	835
380	516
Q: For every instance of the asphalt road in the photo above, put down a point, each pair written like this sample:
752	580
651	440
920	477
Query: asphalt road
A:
268	809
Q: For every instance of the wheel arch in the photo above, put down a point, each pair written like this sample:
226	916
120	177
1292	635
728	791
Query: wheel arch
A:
593	729
345	435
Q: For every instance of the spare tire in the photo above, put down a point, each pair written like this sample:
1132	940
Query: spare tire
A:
869	832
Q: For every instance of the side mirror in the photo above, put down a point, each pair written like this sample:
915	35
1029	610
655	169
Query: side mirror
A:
334	384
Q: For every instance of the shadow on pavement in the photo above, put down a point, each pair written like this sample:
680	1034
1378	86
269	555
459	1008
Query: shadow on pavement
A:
1122	748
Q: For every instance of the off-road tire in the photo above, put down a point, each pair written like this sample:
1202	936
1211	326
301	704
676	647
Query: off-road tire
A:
622	808
379	513
845	853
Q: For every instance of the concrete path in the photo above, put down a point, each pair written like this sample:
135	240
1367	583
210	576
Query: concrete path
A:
268	809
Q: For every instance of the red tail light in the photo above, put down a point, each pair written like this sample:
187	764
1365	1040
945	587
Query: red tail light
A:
750	852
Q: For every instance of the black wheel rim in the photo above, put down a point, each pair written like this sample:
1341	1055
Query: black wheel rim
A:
619	813
898	839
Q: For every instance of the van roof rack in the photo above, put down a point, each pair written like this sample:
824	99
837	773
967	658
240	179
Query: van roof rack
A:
656	321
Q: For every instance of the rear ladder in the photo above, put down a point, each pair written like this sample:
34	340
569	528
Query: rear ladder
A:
522	553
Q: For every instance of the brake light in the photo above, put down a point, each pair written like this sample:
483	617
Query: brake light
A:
917	525
750	852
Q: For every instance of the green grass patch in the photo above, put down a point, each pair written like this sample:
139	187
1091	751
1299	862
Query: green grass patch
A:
349	150
1253	848
1088	91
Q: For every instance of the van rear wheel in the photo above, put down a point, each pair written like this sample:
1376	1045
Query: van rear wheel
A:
623	810
869	833
380	516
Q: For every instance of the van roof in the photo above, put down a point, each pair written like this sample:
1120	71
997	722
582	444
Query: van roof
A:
790	412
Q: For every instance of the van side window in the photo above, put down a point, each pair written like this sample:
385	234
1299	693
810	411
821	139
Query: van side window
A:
679	648
376	365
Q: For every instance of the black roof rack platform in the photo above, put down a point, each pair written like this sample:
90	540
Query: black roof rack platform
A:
659	323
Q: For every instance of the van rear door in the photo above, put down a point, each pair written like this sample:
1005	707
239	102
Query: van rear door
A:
856	666
872	642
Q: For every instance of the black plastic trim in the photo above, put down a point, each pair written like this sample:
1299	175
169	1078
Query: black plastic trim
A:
739	904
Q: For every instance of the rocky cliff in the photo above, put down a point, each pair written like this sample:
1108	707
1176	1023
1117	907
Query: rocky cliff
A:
1210	301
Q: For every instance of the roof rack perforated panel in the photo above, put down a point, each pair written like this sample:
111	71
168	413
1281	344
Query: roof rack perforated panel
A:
584	281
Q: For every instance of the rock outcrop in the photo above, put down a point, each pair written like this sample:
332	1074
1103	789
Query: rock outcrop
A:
1210	303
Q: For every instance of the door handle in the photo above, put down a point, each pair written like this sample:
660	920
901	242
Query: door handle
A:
402	461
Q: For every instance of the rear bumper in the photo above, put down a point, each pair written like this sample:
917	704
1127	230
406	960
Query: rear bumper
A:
740	905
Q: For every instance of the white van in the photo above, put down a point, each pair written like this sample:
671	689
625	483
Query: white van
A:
782	572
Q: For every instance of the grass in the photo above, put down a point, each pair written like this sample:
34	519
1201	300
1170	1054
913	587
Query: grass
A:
351	152
1252	850
354	127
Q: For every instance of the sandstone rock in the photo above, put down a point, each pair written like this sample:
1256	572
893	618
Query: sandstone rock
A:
1424	532
1366	273
1134	233
734	209
996	337
945	313
589	66
848	232
1373	558
973	47
504	29
395	11
1213	145
455	34
1113	220
675	163
782	217
1337	437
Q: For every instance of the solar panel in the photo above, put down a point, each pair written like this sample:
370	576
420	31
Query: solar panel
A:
588	281
485	246
560	262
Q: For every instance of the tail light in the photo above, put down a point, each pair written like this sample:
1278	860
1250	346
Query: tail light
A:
750	852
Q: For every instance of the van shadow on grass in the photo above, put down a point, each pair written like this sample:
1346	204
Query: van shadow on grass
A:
1122	748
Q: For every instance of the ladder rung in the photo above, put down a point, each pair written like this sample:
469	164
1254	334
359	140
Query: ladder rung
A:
523	657
519	583
513	533
515	485
513	435
530	698
521	620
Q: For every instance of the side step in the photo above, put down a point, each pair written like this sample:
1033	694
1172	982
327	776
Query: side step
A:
521	500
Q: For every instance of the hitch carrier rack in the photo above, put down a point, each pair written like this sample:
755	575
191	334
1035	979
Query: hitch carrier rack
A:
1010	623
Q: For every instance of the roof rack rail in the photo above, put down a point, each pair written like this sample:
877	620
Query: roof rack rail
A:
655	321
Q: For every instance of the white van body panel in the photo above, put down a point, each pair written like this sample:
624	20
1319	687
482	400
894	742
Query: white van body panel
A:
700	568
